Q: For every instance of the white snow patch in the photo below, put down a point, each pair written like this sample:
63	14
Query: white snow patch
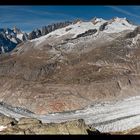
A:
2	127
118	25
20	36
13	40
76	29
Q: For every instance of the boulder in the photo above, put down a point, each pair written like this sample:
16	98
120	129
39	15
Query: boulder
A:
5	120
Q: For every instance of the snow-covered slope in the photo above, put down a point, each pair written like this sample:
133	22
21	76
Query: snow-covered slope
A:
73	30
118	25
115	25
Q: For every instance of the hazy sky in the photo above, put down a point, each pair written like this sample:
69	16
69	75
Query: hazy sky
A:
29	17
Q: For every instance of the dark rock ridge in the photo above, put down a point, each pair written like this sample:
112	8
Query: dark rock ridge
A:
32	35
102	27
47	29
133	33
87	33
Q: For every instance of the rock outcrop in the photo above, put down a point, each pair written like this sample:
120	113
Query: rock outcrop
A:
29	126
133	33
47	29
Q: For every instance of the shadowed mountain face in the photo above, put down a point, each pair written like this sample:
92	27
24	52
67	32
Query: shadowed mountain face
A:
72	67
10	38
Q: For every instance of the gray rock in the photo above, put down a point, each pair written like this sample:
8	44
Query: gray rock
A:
133	33
102	27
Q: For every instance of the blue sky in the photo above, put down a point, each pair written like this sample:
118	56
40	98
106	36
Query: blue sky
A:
30	17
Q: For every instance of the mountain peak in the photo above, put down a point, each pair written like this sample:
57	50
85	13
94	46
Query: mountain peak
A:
16	30
77	21
121	20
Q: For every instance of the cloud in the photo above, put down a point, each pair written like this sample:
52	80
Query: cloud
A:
34	11
30	16
47	13
124	11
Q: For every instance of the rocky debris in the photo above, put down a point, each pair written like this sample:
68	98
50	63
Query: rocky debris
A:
67	128
12	131
28	120
27	123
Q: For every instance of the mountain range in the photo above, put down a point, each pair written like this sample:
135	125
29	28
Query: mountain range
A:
73	69
10	38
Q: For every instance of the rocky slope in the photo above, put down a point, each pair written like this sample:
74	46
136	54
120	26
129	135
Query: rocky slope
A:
73	67
67	70
31	126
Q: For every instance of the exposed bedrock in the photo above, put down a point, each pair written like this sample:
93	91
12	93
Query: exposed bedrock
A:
45	78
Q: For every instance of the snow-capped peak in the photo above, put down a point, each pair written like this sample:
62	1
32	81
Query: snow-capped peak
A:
110	26
99	20
118	25
16	30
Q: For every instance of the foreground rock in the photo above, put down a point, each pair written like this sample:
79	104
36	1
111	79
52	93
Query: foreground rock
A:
4	120
31	126
34	126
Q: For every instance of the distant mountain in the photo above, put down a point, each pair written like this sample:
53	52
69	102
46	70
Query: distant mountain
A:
9	38
66	67
47	29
